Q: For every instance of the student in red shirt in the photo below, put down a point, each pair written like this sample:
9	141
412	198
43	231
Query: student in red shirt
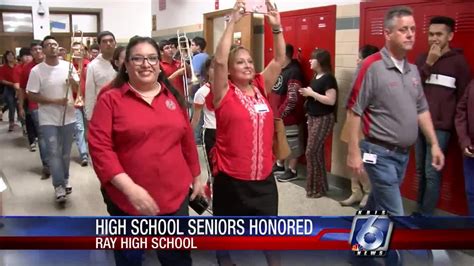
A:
242	156
142	146
171	68
7	79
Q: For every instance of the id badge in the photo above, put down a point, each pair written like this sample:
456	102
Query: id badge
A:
261	108
369	158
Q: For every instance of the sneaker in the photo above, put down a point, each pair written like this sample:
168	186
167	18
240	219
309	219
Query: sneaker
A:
60	193
11	127
288	176
84	162
45	173
33	147
278	169
68	188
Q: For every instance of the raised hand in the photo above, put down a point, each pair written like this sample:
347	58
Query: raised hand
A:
238	11
433	55
273	16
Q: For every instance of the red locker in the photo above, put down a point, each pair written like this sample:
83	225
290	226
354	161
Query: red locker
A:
306	30
452	197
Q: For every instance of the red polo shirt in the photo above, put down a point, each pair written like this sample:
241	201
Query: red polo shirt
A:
169	69
8	73
22	78
82	76
153	144
244	135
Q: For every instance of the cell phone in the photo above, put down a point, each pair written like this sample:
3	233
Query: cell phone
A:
199	204
256	6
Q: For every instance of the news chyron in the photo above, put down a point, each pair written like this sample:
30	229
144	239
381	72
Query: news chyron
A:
371	233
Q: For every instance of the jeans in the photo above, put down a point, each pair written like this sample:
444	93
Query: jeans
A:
10	101
469	183
30	127
135	257
79	134
43	150
386	176
199	128
429	179
58	143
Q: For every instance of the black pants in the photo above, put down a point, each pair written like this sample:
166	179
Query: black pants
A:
30	125
135	257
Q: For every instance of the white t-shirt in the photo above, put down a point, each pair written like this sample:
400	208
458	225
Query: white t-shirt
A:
99	73
200	98
50	82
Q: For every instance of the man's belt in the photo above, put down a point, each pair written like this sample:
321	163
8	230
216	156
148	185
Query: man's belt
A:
388	146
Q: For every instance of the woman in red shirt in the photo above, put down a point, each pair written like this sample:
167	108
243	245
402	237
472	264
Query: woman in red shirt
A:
142	146
242	156
7	79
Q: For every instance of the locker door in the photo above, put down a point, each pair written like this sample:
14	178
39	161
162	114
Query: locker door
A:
305	30
289	29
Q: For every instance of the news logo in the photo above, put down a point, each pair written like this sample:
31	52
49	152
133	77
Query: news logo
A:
371	232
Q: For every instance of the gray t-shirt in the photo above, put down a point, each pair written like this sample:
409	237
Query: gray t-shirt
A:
388	100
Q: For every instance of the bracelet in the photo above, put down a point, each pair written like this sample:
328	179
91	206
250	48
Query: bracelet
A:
277	31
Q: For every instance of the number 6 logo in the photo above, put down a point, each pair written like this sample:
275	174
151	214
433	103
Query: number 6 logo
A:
370	231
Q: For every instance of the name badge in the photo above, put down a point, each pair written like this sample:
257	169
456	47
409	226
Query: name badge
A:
369	158
261	108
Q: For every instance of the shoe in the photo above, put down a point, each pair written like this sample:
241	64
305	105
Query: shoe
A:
84	162
287	176
315	195
354	198
363	202
276	169
68	188
60	193
33	147
11	127
45	173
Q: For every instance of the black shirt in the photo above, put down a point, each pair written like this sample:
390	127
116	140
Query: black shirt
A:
321	85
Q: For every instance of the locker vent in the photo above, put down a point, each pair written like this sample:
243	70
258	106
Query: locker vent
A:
376	26
464	22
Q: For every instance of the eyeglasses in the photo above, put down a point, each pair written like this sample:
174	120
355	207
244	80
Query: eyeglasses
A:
51	44
139	60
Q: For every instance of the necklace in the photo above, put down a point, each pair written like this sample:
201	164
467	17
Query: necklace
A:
150	94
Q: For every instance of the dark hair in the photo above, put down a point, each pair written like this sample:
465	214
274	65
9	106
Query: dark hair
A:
104	33
49	37
122	75
76	43
174	41
449	22
324	59
201	42
289	51
7	52
207	66
24	51
397	11
163	43
116	56
94	46
35	43
367	50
